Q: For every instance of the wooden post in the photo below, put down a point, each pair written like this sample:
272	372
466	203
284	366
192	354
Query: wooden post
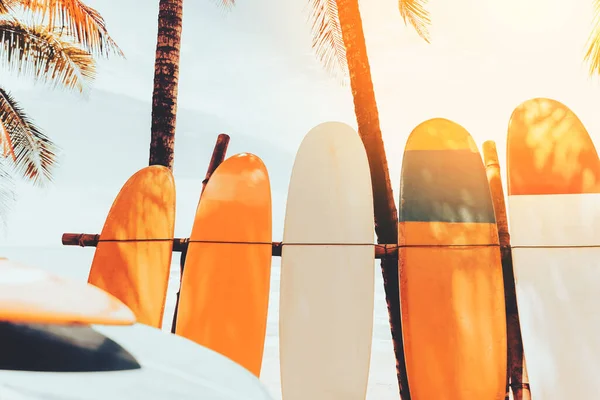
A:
517	371
218	156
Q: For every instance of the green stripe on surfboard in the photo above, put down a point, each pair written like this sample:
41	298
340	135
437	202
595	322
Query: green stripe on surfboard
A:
444	183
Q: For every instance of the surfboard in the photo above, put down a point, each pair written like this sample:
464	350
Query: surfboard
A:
118	363
327	269
32	295
225	286
451	284
133	256
554	214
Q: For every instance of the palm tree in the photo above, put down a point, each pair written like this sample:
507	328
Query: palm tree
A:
164	95
166	80
57	48
339	42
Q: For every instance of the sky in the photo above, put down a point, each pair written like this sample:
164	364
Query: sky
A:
250	72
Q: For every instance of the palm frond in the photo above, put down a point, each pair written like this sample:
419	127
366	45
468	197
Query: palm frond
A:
6	143
84	23
34	154
327	38
6	6
413	12
226	4
592	56
36	51
7	192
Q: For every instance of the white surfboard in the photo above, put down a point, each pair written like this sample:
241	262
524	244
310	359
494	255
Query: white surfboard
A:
327	292
50	362
554	205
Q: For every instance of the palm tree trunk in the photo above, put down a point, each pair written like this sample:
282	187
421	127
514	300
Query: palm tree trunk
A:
166	79
386	215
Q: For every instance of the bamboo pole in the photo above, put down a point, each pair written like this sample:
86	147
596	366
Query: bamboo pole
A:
218	156
516	367
382	251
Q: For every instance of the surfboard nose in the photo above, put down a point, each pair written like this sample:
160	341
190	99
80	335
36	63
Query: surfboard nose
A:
440	134
339	134
552	149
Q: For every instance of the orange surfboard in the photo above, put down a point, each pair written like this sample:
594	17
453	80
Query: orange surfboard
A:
225	285
32	295
133	256
451	284
553	184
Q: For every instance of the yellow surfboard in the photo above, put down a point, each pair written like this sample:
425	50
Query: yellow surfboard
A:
133	255
32	295
451	284
225	285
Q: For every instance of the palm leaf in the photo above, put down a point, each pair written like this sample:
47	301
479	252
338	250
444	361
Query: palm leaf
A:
413	12
6	6
592	55
34	154
84	23
7	192
36	51
327	38
226	4
6	142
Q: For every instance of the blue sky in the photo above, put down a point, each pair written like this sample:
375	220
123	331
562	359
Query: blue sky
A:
250	72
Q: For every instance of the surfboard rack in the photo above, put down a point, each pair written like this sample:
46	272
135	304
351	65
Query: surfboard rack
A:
382	251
